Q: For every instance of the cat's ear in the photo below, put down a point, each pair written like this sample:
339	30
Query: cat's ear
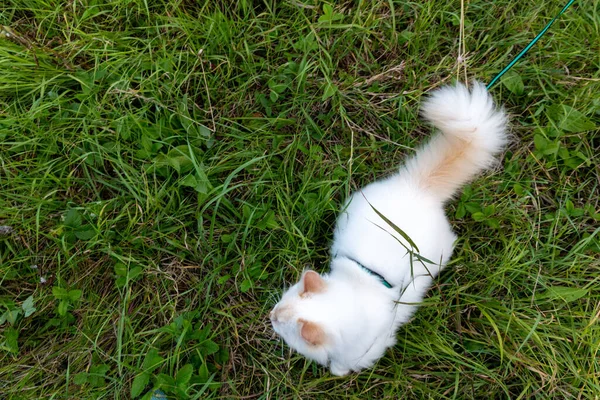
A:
312	283
312	332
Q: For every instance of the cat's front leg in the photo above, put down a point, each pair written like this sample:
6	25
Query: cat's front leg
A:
338	369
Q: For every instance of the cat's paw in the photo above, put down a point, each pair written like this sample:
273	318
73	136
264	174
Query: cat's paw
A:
338	370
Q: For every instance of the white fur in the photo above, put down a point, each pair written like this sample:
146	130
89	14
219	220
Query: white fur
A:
357	313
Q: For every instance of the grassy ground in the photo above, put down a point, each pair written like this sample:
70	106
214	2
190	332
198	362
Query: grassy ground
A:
167	166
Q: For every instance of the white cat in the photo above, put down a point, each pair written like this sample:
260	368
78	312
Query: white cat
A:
346	319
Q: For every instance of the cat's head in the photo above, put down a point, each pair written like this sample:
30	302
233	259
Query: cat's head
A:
343	323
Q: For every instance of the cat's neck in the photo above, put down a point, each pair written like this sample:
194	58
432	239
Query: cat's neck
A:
349	267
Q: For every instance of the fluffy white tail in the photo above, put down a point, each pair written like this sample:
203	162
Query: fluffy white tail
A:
472	129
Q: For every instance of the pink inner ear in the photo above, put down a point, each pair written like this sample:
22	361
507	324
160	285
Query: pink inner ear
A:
312	332
312	282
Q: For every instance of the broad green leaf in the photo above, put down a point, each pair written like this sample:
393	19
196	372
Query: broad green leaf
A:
198	183
100	369
74	294
28	307
569	206
204	332
493	223
273	96
203	372
513	82
10	316
210	347
179	158
204	131
569	119
472	207
226	238
189	181
138	384
223	356
405	36
247	211
152	361
330	90
164	380
246	285
86	234
121	281
518	189
460	211
11	340
63	306
566	293
478	216
135	272
201	176
268	221
540	142
150	395
584	158
327	13
111	146
278	87
563	153
184	374
97	375
551	148
467	192
80	378
186	120
60	293
73	218
120	269
574	121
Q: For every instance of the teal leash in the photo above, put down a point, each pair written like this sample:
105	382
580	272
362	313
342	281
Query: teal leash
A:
526	49
371	272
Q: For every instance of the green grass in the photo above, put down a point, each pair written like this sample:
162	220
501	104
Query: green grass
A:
169	166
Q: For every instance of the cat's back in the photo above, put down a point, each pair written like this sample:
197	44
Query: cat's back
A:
363	233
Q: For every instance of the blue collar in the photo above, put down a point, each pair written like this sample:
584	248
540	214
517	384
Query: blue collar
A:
371	272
